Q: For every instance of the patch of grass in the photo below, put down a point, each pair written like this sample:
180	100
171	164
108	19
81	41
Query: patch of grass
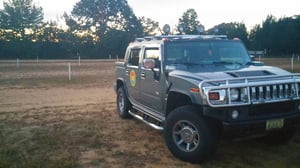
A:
45	74
25	142
34	147
58	81
284	63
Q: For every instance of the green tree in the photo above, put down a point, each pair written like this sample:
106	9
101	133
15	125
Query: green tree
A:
189	22
105	19
264	34
150	27
102	15
253	35
19	15
20	20
277	36
232	30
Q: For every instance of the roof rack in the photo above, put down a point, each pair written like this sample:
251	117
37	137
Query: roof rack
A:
180	37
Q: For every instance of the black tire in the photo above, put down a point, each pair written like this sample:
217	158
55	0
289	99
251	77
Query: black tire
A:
190	136
123	104
278	137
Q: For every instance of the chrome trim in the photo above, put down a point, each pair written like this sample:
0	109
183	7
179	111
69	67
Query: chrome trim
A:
151	114
160	128
263	89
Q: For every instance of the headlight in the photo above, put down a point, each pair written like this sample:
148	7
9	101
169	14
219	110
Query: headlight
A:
234	94
227	96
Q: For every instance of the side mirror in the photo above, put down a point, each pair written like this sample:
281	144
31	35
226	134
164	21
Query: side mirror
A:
149	63
252	57
257	63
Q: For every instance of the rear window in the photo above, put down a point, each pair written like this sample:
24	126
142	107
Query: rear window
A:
134	57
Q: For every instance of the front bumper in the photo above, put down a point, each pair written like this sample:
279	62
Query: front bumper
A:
247	128
253	119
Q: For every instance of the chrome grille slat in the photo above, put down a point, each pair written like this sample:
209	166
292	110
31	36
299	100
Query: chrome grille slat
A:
261	93
280	91
273	92
286	91
253	93
268	92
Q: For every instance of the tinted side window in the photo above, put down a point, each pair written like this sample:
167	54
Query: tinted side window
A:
153	53
134	56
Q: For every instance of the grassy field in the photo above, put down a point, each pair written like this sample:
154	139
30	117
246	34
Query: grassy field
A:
47	120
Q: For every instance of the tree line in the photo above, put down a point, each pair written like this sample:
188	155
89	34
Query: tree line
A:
103	28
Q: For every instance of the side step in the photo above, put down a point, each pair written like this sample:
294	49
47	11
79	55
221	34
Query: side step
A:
157	127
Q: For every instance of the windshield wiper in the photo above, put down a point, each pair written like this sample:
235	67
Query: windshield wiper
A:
187	63
227	62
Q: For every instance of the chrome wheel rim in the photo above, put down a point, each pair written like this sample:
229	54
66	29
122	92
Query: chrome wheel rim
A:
186	136
121	102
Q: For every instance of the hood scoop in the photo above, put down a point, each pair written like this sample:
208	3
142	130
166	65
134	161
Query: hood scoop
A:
249	73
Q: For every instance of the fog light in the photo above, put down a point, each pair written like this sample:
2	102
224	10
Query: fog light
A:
235	114
298	107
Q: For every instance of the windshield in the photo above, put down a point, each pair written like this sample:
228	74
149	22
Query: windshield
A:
206	52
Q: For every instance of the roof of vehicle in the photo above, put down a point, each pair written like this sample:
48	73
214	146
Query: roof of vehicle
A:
162	38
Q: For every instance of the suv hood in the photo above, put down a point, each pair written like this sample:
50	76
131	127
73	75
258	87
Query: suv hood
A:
250	71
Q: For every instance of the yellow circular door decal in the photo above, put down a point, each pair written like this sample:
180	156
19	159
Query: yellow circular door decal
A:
132	78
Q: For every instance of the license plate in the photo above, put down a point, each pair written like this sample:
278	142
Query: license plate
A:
274	124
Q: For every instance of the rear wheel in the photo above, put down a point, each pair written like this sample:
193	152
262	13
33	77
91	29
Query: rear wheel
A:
190	136
123	104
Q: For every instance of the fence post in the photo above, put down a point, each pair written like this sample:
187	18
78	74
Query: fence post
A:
292	63
79	60
18	62
70	73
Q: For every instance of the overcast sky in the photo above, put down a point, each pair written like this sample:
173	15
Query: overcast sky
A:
210	12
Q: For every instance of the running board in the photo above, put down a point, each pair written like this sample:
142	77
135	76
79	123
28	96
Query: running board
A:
157	127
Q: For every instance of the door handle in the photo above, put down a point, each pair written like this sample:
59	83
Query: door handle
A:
143	75
127	72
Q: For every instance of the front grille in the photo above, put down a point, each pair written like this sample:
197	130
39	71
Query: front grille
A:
274	92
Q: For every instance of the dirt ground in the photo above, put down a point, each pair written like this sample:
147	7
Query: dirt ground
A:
47	120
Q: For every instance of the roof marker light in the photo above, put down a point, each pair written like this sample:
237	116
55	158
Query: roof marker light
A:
166	29
180	29
216	30
200	28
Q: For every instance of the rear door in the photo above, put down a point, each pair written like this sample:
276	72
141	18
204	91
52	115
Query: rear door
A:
133	74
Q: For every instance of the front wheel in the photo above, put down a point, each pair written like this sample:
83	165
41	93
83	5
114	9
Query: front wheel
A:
190	136
123	104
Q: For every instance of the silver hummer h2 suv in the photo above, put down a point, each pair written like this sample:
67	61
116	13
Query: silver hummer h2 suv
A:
198	88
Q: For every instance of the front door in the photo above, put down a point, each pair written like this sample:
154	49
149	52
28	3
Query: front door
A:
150	83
